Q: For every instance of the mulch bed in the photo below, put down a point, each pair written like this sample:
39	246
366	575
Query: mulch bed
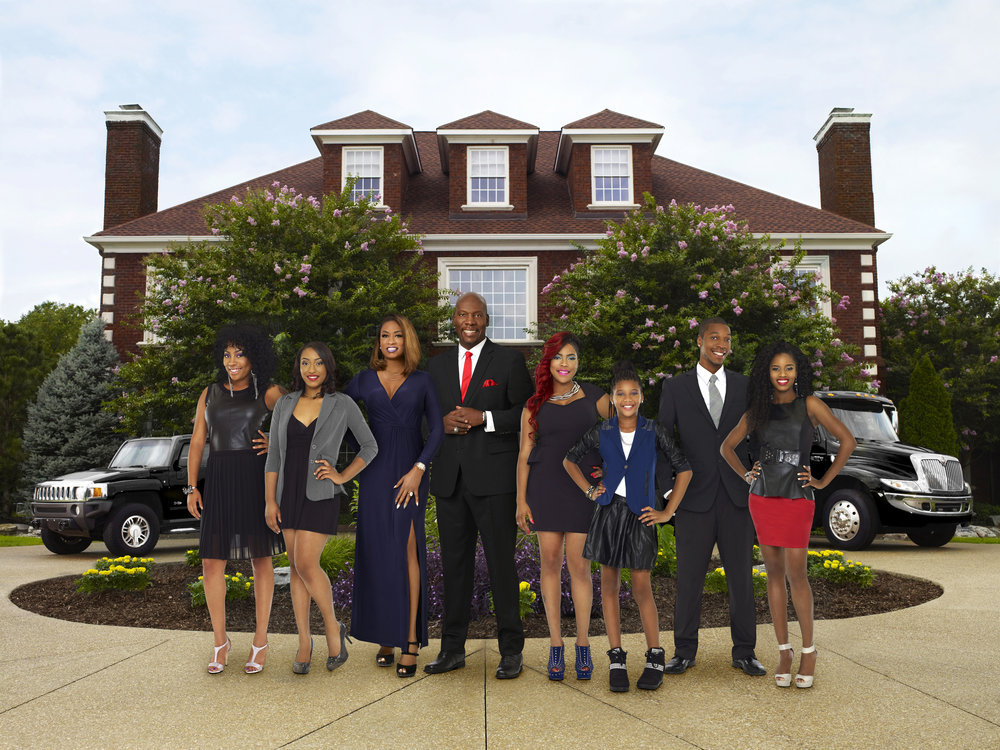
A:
167	604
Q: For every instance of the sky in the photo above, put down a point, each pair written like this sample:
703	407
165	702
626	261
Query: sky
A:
740	87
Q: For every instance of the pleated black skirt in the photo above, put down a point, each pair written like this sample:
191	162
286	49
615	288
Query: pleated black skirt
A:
232	518
618	538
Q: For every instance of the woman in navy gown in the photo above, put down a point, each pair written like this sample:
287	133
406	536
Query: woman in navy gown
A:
390	586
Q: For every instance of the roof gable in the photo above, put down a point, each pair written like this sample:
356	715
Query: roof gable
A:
606	118
488	120
366	120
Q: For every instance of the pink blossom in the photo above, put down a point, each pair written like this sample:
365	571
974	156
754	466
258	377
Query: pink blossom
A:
993	359
218	301
738	310
676	343
347	245
682	244
556	279
277	268
692	323
649	323
167	302
305	280
305	268
299	292
173	380
620	293
364	246
645	251
844	356
672	329
636	345
564	316
251	221
231	278
336	212
275	223
182	282
703	294
622	254
233	295
214	230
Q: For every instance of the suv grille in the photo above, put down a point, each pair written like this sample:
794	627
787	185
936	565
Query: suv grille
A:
57	492
945	476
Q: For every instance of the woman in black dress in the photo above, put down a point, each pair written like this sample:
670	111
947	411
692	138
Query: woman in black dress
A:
302	484
231	414
548	503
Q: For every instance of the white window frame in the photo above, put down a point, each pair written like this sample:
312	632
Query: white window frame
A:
820	264
345	174
629	202
527	264
504	205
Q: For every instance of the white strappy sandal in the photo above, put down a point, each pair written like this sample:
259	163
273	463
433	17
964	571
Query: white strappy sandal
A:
215	666
805	680
784	679
252	667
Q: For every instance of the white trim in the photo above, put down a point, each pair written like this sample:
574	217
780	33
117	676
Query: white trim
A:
819	263
471	205
133	115
108	334
514	243
868	332
108	300
109	264
144	244
360	137
487	137
612	135
868	313
872	351
529	264
108	281
832	240
841	115
866	259
381	169
108	317
612	206
867	295
629	199
867	277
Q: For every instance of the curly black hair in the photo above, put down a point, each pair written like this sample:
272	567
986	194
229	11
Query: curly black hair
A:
256	346
760	390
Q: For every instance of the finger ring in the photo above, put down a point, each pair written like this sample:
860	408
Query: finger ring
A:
455	428
411	494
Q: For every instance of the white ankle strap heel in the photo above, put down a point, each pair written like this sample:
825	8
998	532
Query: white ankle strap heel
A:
784	679
805	680
252	667
215	666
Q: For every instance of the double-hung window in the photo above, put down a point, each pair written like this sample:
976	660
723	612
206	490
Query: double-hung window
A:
611	175
488	177
509	286
366	165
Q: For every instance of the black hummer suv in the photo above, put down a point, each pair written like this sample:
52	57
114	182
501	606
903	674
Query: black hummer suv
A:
127	505
886	485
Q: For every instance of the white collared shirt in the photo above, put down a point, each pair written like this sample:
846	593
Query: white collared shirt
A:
476	351
704	375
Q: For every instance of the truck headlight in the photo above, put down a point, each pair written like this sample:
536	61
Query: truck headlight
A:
903	485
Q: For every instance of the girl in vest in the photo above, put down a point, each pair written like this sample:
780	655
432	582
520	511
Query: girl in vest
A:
622	531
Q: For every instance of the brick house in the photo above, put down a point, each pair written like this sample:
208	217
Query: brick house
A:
501	204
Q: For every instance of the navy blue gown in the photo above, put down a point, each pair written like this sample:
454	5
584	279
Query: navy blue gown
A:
380	610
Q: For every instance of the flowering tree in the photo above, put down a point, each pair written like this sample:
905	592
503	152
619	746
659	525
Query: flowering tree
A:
955	319
654	276
301	268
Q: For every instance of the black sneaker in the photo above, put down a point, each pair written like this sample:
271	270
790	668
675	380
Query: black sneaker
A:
618	677
652	675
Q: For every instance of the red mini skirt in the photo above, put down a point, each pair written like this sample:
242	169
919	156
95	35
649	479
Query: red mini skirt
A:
782	521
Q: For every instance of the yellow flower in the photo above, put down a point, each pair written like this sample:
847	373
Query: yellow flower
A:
105	572
524	586
826	563
248	586
201	578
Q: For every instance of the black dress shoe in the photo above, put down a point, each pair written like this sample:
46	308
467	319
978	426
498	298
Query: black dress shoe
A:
750	665
678	665
446	661
510	666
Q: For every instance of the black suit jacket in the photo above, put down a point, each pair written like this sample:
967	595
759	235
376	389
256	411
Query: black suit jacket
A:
683	407
487	460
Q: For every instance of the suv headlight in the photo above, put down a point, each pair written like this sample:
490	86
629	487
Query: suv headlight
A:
903	485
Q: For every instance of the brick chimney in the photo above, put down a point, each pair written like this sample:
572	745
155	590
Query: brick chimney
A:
132	171
845	165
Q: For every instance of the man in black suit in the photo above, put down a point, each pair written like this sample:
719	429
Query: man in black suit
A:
704	404
473	481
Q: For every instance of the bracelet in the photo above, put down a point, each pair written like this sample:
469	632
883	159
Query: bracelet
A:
589	492
748	476
420	465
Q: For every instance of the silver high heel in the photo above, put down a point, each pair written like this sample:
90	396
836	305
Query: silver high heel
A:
805	680
332	662
784	679
215	666
302	667
252	667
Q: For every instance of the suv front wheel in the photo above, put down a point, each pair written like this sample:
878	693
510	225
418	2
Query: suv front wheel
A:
850	520
63	545
132	530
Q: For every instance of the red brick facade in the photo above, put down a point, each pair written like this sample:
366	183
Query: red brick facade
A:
845	171
131	173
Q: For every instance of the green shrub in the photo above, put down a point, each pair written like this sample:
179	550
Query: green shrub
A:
715	582
238	588
192	558
336	555
831	565
117	574
925	416
666	551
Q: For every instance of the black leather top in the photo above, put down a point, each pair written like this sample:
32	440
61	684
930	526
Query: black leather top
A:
233	420
789	430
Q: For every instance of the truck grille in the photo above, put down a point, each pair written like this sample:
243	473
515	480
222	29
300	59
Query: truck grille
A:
945	476
55	492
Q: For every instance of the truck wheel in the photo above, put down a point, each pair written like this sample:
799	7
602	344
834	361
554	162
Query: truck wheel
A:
132	530
850	520
937	535
64	545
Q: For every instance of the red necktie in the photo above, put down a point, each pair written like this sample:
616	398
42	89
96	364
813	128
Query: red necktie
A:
466	373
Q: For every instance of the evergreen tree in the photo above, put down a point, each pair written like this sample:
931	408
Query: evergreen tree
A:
925	417
67	430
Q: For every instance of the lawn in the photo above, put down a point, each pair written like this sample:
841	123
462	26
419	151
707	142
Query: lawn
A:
18	541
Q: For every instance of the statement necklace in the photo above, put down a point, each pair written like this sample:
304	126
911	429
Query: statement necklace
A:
568	394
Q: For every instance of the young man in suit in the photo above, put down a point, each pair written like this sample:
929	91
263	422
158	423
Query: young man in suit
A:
704	404
473	481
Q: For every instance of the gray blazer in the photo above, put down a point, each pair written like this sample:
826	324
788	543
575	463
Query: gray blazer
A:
337	414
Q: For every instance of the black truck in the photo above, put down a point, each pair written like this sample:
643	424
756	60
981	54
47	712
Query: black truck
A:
886	486
127	505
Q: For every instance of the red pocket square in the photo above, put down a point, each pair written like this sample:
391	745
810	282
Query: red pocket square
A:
489	383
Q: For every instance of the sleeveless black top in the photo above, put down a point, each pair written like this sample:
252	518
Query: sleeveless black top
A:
233	420
782	446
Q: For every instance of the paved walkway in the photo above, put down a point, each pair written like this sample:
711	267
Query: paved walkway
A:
928	676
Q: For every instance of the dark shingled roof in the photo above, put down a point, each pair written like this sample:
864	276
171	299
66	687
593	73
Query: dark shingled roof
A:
488	120
608	119
367	120
425	202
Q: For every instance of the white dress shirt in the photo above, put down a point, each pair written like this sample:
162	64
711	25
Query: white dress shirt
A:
476	351
720	382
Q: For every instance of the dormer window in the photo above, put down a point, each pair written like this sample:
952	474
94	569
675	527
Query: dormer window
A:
611	175
366	165
488	177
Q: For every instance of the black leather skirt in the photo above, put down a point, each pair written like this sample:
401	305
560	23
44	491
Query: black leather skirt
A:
618	538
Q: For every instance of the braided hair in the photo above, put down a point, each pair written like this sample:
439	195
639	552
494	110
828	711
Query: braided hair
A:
760	391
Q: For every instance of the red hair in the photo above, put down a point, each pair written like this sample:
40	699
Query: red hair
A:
543	374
